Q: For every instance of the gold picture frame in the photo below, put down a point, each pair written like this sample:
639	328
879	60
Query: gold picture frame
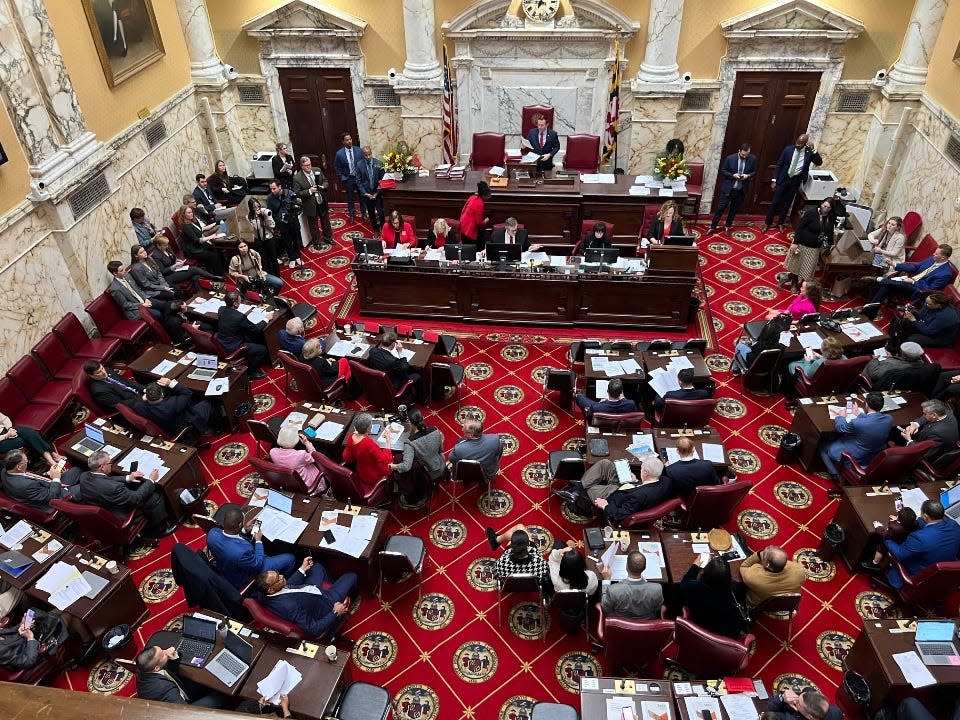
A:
126	36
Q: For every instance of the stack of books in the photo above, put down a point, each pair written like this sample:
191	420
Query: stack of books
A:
514	155
442	171
457	172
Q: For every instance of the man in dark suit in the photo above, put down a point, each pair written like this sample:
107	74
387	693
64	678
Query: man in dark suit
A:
345	164
738	170
234	330
157	679
615	402
934	273
863	436
512	234
369	174
129	296
386	357
121	493
37	490
110	389
239	551
938	424
311	187
791	172
686	392
544	142
204	198
175	412
935	325
688	472
301	598
654	488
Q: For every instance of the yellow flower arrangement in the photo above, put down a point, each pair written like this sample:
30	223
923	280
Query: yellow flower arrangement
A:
670	167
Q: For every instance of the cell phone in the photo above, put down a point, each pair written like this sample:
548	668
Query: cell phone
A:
28	619
898	504
309	432
375	428
328	536
134	465
257	524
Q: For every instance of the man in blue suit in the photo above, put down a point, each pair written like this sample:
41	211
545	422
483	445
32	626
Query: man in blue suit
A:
345	164
686	392
301	598
239	552
615	402
934	273
790	173
862	436
738	169
369	175
544	142
937	540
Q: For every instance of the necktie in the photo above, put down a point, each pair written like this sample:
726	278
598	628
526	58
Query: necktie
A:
797	154
370	170
172	679
119	383
129	287
737	184
926	272
542	140
510	239
350	159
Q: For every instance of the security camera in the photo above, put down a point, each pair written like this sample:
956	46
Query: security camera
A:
686	80
229	73
392	76
880	78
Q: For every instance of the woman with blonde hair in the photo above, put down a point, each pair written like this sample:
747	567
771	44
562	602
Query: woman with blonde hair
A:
440	234
889	243
666	222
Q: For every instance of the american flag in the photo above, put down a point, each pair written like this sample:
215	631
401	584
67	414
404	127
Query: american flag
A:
449	115
613	112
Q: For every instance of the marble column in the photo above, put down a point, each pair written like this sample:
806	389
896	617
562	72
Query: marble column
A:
421	66
206	68
922	31
659	64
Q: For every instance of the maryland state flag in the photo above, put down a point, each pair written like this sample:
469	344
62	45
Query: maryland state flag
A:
613	111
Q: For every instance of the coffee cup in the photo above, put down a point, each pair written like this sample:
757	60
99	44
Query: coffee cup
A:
607	532
347	328
331	653
112	567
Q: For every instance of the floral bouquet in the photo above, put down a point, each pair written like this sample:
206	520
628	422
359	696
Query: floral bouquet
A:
670	167
401	160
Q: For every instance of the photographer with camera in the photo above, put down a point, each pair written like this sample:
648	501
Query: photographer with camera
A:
286	210
934	325
246	269
311	188
262	223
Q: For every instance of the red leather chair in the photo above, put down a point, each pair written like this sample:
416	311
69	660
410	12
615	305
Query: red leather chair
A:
712	506
763	374
691	205
929	587
646	519
23	411
945	468
81	389
378	388
29	512
160	333
630	644
55	357
911	226
308	381
80	344
924	249
99	527
47	666
452	223
833	376
892	462
208	344
110	322
343	484
706	654
269	620
489	149
282	478
618	422
685	413
583	153
526	117
148	427
32	380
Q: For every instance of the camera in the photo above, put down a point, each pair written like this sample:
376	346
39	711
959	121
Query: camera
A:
880	78
686	80
392	76
266	211
229	73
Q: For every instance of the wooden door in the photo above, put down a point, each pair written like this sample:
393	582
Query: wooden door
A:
319	105
769	111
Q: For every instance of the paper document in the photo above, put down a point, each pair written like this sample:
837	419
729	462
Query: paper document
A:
655	710
696	704
531	157
620	707
602	389
15	534
630	366
64	596
618	566
624	475
258	315
739	706
673	456
345	348
913	669
913	498
217	386
57	576
810	340
363	526
666	192
329	431
613	368
280	526
282	679
48	551
653	552
497	171
639	190
714	453
643	179
662	381
164	367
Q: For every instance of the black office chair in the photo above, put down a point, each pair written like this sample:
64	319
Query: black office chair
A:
363	701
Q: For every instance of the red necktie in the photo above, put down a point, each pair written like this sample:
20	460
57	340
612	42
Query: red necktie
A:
542	140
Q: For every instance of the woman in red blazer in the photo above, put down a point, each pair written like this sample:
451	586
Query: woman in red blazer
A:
473	217
395	232
372	462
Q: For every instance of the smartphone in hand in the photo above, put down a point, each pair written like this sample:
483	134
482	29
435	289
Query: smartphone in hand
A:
134	466
28	618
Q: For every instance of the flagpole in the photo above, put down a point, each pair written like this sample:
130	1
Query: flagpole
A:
616	60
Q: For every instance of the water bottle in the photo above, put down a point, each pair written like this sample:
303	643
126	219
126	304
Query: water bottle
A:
223	227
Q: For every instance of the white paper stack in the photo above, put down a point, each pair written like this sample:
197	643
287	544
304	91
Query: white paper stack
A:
282	679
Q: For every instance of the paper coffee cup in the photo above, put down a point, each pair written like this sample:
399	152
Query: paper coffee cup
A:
112	567
347	328
331	653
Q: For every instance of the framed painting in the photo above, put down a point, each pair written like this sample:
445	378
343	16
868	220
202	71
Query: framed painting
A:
126	35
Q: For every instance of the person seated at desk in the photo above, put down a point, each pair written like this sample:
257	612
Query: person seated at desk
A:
175	411
110	389
145	230
246	270
21	647
627	499
880	368
947	387
707	590
372	462
666	222
157	679
473	216
934	273
262	706
862	435
937	539
634	597
301	462
768	572
935	325
474	445
291	337
568	569
897	528
196	244
912	709
830	349
229	190
601	480
37	491
804	302
239	551
615	402
687	472
544	142
205	199
809	705
150	281
17	437
387	357
113	492
235	329
745	353
396	233
937	424
328	368
440	234
424	445
889	243
302	599
512	234
596	238
686	392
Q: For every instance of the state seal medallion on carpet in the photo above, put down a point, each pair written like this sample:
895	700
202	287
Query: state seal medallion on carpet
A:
495	503
416	702
448	533
482	574
434	611
793	494
475	662
535	475
524	621
575	665
771	434
873	604
757	524
231	453
818	569
519	707
158	586
833	647
107	678
375	651
793	681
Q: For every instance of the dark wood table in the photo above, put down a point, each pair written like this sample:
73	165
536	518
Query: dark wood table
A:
663	438
592	373
850	346
271	333
813	424
872	656
758	704
37	539
593	701
617	444
636	536
660	359
321	687
679	554
335	561
859	508
332	447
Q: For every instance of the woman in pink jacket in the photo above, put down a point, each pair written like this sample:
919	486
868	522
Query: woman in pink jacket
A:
301	461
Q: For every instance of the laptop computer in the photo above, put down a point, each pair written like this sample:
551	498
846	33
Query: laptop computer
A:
233	661
330	340
197	638
279	501
934	641
205	367
92	442
950	499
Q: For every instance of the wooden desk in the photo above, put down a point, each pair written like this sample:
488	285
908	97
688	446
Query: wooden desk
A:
321	687
660	359
812	422
617	443
271	333
591	373
872	656
336	562
636	536
679	554
758	704
593	702
343	417
859	508
664	438
31	544
850	347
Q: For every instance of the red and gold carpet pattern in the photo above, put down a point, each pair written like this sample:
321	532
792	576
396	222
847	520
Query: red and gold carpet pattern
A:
446	655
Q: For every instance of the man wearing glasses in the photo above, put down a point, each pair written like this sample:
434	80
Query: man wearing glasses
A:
302	599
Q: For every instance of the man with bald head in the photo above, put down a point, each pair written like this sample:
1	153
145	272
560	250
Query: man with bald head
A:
769	572
790	173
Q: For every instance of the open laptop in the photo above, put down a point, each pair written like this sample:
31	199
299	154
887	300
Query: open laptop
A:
934	641
279	501
233	661
93	440
197	638
205	368
330	340
950	499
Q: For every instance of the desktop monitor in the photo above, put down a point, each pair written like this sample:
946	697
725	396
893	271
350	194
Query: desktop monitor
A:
607	256
467	253
503	252
682	240
368	246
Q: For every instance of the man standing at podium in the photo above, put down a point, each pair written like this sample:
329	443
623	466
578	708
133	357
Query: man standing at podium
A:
544	142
